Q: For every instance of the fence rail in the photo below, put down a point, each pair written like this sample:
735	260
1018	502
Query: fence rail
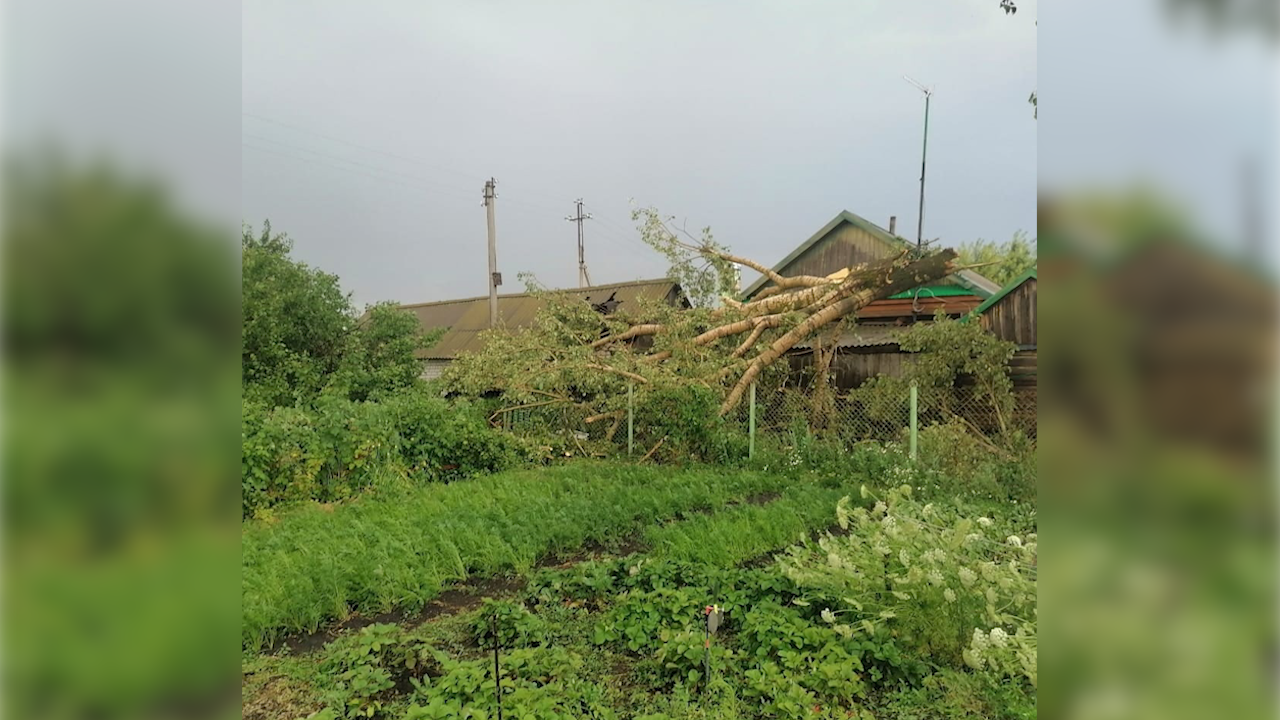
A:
781	414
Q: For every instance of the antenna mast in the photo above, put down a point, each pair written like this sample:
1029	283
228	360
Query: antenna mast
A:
924	154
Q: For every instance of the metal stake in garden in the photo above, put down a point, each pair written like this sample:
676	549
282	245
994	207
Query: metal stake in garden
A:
497	672
714	615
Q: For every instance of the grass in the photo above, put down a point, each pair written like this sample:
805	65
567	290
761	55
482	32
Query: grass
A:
397	550
775	656
731	536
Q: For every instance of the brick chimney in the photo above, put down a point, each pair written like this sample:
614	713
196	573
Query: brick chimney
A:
893	225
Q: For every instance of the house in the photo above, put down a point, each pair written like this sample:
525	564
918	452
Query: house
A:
465	320
1159	332
1010	315
870	349
1201	342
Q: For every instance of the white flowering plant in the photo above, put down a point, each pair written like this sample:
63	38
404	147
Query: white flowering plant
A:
955	589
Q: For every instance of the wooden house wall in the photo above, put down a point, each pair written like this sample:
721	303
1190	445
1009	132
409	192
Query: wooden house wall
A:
852	366
1013	318
844	246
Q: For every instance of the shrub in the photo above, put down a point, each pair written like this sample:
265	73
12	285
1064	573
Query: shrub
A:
952	588
338	448
687	417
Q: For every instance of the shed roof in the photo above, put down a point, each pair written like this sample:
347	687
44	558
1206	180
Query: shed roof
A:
1013	284
979	285
469	317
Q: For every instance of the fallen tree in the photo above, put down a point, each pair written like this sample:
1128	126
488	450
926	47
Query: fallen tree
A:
573	357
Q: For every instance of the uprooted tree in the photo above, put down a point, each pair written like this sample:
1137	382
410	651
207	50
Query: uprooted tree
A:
578	357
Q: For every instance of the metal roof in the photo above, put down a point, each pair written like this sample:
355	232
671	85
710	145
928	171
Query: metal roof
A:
979	285
1025	276
861	336
468	318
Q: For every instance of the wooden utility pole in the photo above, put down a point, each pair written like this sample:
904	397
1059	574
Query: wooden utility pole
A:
495	278
584	280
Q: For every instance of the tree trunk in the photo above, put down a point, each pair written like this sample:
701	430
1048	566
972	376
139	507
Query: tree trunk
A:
916	273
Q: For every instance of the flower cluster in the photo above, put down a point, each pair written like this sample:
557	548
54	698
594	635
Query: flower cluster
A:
926	572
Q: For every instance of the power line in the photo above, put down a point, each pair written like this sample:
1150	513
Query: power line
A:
417	160
539	208
390	181
400	156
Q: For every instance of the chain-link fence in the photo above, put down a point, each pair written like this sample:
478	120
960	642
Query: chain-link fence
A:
629	427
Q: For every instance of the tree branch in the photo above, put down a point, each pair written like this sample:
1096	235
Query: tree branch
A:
634	332
926	269
616	371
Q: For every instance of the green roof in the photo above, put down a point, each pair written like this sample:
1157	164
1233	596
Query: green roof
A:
932	291
974	283
1029	274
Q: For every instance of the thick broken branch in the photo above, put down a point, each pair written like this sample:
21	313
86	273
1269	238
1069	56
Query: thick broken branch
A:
604	416
616	371
927	269
749	342
736	328
634	332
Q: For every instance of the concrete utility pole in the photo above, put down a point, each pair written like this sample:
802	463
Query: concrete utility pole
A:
584	280
495	277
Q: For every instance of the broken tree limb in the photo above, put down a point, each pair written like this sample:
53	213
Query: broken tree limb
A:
604	416
653	450
616	371
513	408
634	332
737	328
750	341
915	273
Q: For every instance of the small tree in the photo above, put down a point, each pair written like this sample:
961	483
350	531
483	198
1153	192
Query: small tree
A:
944	351
301	335
380	356
296	321
1001	263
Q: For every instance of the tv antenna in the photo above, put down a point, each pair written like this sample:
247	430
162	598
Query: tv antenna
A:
924	154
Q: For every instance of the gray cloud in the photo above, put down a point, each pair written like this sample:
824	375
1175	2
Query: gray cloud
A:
371	127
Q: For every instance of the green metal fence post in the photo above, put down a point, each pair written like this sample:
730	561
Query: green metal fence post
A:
631	418
915	428
751	425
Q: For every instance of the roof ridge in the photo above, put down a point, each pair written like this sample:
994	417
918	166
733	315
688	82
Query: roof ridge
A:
589	288
968	278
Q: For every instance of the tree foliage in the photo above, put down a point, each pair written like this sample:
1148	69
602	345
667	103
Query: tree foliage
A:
575	359
1001	262
943	352
301	335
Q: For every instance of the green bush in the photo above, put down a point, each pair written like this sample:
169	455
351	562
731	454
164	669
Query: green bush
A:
337	448
685	419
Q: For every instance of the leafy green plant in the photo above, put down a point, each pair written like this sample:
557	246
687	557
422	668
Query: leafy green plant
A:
359	670
638	618
337	448
682	655
515	626
397	550
932	576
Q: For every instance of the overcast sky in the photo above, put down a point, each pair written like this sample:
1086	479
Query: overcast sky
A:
1132	95
369	129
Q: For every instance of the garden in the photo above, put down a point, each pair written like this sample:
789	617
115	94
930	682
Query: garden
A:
408	553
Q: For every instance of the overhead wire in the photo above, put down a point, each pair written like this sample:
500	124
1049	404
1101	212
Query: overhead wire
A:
609	232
